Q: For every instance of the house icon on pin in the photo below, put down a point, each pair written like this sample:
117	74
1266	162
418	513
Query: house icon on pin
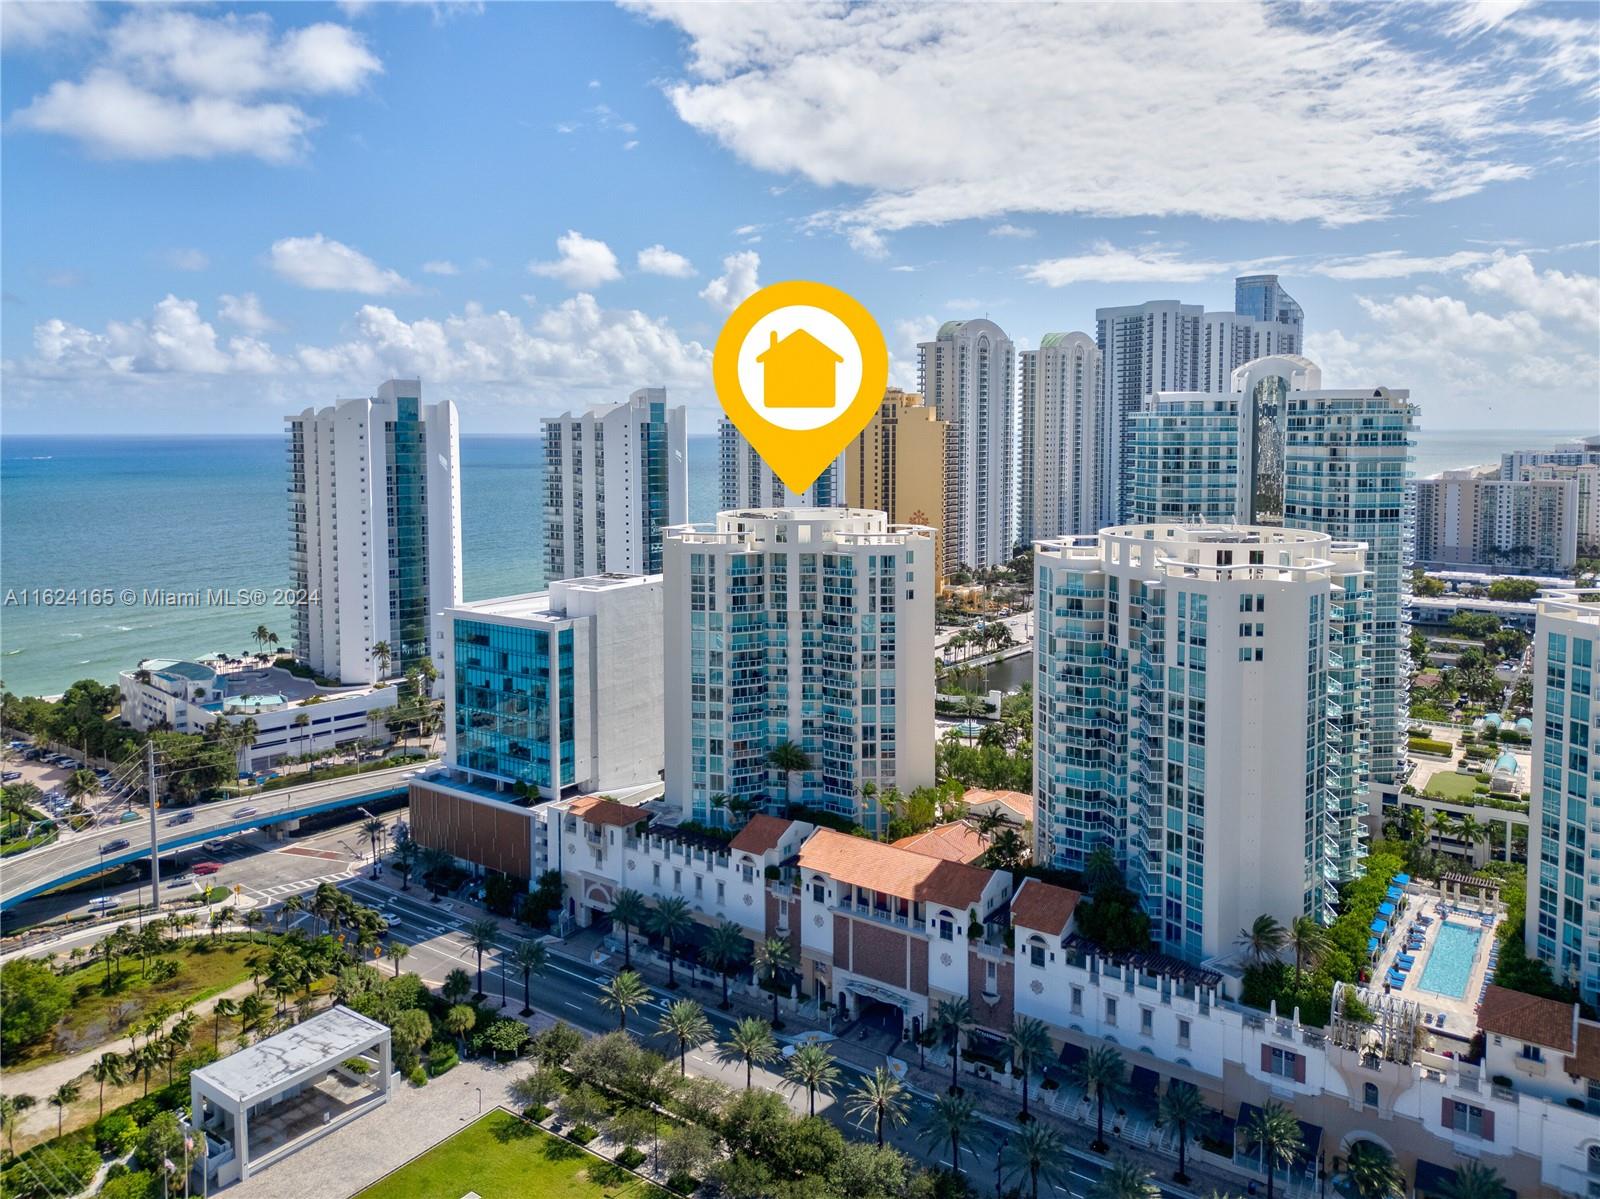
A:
799	372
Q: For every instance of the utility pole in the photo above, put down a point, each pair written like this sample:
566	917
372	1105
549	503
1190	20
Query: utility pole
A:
155	834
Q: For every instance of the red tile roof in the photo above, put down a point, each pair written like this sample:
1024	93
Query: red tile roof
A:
954	842
1586	1062
761	835
1529	1018
597	809
1044	907
878	867
1018	804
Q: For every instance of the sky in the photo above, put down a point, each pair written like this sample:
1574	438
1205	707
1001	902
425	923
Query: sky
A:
214	215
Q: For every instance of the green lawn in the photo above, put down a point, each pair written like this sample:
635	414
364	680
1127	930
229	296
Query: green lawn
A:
95	1017
502	1157
1447	784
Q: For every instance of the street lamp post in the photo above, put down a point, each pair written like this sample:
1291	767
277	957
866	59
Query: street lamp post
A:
999	1159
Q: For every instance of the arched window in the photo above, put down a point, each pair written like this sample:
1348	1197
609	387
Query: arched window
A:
1036	950
1594	1159
1369	1094
945	923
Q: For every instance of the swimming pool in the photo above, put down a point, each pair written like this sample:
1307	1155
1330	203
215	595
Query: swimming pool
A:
1449	966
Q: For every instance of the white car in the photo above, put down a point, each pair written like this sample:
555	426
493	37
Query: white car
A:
183	880
391	917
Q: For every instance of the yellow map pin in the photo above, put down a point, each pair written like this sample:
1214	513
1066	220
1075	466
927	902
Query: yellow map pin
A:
800	368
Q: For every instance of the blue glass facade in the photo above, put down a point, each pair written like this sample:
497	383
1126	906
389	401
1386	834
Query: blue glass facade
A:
406	451
514	703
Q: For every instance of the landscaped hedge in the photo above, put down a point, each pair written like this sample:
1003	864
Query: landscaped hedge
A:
1424	745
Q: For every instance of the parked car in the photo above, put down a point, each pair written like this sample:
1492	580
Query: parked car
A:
10	776
206	867
113	846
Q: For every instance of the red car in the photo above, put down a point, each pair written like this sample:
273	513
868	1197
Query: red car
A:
205	867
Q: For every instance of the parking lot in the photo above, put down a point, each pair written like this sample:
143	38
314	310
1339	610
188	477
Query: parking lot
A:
23	763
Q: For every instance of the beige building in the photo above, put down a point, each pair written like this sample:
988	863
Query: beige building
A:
896	466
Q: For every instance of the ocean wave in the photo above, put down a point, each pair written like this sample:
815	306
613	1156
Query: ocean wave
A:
74	636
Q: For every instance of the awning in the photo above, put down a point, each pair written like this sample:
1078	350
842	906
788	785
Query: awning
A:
1437	1181
1379	926
1144	1081
1394	893
1401	879
1386	909
1372	944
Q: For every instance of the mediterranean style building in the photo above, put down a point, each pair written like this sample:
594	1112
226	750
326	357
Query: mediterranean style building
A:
896	466
615	477
375	530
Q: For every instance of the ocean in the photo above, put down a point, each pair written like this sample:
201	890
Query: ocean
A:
197	513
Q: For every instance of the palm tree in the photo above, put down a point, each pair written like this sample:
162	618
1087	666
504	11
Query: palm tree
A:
772	956
949	1117
11	1109
786	757
669	921
1181	1108
1474	1180
1310	942
384	655
253	1011
62	1098
291	906
405	861
623	994
480	936
1038	1149
1123	1179
952	1018
1030	1045
398	952
726	949
432	863
685	1022
751	1041
459	1021
223	1009
1263	939
812	1067
1276	1133
261	636
374	828
81	784
881	1097
531	958
629	910
1370	1172
108	1068
1100	1073
144	1060
301	721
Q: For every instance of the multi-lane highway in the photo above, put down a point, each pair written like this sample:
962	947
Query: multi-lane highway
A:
84	854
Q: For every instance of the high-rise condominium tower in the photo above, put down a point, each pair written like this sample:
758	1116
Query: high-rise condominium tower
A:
897	466
375	526
1198	705
968	374
1281	450
1064	488
1563	896
746	481
615	476
810	628
1165	346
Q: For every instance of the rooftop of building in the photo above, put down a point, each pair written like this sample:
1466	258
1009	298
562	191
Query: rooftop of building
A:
1577	603
1586	1062
1044	907
954	842
248	688
761	835
797	527
893	871
1530	1018
550	605
599	810
1018	804
267	1066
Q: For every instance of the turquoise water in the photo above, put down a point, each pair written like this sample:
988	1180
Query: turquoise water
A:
181	514
1449	966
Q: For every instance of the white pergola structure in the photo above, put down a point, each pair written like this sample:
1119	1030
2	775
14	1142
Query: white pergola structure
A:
264	1102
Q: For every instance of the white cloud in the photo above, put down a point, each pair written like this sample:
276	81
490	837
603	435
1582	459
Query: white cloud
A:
186	259
169	83
1109	264
658	260
323	264
1574	298
904	337
1007	229
936	130
867	242
585	262
440	266
174	340
246	312
28	23
736	283
1395	264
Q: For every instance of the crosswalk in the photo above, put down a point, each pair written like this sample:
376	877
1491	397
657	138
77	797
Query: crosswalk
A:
284	890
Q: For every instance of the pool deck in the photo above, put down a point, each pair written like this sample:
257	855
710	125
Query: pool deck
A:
1461	1015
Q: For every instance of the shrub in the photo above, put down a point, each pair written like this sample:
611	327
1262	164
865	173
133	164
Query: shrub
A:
133	1184
539	1113
59	1167
33	998
630	1158
683	1184
116	1132
418	1076
583	1134
442	1057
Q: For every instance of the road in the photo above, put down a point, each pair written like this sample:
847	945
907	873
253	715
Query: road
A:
42	869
